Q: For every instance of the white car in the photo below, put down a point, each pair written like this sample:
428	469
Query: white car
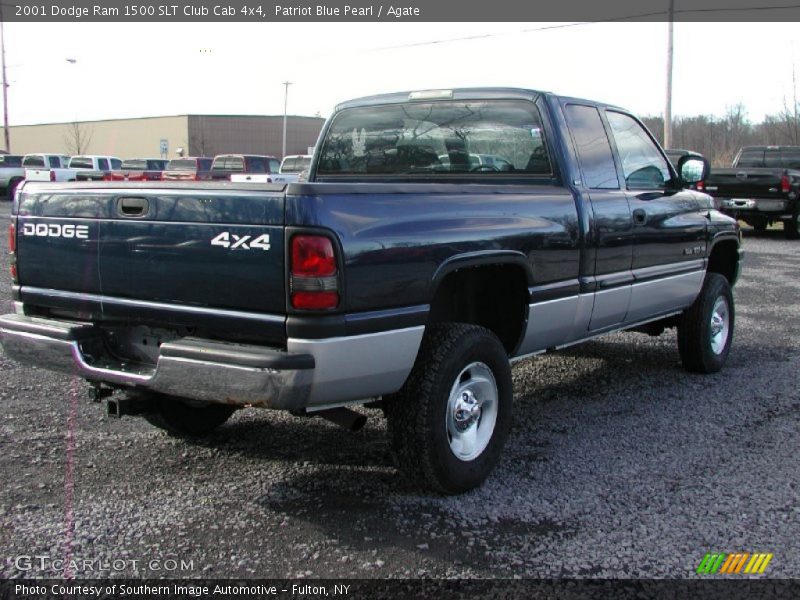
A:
47	167
86	167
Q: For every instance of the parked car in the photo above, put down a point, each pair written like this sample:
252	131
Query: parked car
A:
92	167
47	167
11	174
383	280
477	162
139	169
225	165
761	187
190	168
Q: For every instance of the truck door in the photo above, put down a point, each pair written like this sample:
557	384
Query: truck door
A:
610	239
669	224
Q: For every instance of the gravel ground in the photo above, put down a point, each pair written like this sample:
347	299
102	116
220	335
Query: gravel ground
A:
620	464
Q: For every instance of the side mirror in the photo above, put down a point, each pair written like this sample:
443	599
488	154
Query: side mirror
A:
693	168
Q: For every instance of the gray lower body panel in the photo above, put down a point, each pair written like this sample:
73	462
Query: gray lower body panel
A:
310	373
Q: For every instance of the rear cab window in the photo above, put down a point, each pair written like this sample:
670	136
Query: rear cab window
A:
134	164
790	157
751	157
10	161
81	162
479	138
182	164
33	161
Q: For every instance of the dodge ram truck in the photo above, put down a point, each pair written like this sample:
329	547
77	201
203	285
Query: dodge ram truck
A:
391	279
761	188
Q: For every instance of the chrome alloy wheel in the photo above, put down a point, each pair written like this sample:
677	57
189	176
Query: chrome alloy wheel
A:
720	325
472	411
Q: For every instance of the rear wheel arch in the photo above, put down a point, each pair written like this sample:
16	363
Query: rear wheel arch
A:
488	291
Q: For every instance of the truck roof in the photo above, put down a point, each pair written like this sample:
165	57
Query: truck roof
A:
479	93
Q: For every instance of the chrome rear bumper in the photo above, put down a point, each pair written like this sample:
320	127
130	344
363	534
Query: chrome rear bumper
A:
311	373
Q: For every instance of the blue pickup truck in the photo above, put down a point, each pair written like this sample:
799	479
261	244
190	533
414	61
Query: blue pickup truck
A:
402	275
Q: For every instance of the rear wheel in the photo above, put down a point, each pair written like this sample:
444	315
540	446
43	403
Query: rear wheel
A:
187	418
450	421
705	331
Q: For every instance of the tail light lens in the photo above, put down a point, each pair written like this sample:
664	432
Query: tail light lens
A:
314	281
701	186
12	248
52	175
786	184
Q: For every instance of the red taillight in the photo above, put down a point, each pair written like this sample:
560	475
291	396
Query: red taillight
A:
12	248
315	300
701	186
786	184
52	175
312	256
314	279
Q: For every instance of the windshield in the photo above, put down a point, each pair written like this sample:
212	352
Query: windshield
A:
485	138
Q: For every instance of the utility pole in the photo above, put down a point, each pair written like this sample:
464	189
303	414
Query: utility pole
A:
286	85
668	107
5	83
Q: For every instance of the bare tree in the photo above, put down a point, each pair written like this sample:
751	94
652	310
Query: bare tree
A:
77	138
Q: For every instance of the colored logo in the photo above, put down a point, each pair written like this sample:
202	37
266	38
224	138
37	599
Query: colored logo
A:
741	562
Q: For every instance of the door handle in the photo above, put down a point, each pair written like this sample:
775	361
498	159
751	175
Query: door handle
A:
133	207
639	216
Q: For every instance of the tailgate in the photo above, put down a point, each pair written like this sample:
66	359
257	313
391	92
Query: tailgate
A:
37	174
150	245
744	183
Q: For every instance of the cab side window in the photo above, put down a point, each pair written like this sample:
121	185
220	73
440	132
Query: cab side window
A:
642	164
594	151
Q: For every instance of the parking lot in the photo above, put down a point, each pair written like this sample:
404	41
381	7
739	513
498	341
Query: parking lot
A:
620	464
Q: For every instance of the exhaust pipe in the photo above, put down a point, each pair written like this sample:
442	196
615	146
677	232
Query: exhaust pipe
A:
119	407
343	417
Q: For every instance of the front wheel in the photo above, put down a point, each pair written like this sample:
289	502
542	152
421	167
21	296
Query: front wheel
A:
449	423
185	418
705	330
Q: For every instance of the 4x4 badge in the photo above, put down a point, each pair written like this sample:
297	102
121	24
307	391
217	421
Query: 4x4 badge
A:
226	239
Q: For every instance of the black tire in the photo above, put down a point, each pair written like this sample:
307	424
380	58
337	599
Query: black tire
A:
791	227
183	419
760	226
12	188
422	415
702	349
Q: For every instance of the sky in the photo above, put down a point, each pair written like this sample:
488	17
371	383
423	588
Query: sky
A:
120	70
